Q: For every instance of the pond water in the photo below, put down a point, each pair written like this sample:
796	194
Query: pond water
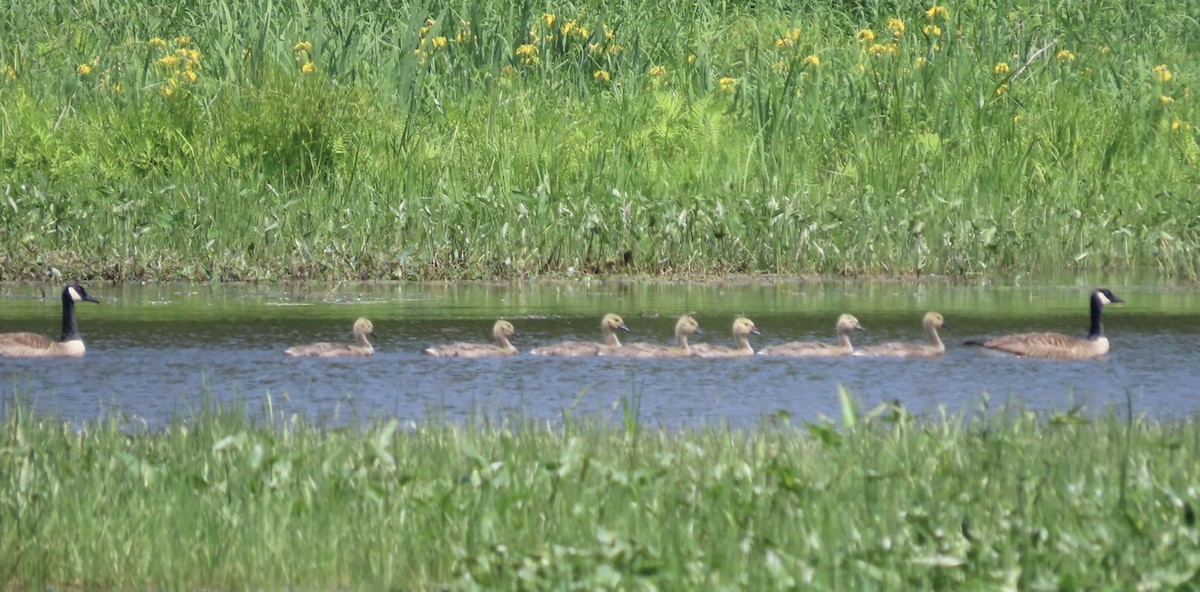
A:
162	351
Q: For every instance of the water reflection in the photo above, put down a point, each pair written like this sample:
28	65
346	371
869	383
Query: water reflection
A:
157	351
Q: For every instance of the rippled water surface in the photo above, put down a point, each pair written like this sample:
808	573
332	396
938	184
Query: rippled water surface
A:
157	352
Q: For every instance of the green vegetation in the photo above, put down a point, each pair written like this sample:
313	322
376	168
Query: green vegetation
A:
385	139
1000	499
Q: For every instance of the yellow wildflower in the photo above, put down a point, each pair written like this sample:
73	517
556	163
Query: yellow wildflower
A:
84	69
609	33
1166	100
932	31
168	89
158	42
781	67
691	59
1000	90
880	49
303	46
727	84
584	33
921	61
439	42
183	40
812	60
117	87
308	68
1065	55
528	54
1105	50
190	76
1017	119
658	71
1163	73
602	76
1001	68
569	27
937	11
896	26
865	36
1176	124
549	20
169	60
615	49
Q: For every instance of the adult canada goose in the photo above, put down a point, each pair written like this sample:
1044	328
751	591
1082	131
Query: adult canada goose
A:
502	331
846	324
360	348
932	322
743	328
609	326
1056	345
684	327
32	345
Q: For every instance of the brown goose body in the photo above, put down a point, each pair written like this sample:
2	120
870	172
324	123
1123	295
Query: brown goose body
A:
846	324
609	325
685	327
1056	345
359	349
33	345
935	348
743	328
502	331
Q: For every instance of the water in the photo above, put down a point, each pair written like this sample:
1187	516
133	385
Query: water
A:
158	352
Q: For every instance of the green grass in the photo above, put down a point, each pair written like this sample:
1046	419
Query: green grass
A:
696	138
994	499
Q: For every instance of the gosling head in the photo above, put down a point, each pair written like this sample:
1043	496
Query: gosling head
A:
613	322
687	326
743	327
364	327
76	293
935	320
502	330
847	323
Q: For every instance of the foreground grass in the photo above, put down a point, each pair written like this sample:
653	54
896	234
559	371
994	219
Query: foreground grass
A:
1005	500
381	139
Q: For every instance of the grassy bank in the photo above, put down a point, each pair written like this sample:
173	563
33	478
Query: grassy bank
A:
394	140
886	501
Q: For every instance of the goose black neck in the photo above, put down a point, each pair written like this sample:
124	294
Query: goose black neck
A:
70	329
1097	330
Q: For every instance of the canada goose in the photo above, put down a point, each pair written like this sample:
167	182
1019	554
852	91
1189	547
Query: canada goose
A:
360	348
32	345
846	324
932	322
609	326
502	331
1057	345
743	328
684	327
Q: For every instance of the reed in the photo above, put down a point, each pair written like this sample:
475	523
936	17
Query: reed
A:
999	498
380	139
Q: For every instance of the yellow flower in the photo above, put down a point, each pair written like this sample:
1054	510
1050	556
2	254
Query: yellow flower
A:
569	27
439	42
168	89
584	33
117	87
691	59
602	76
528	54
549	20
812	60
183	40
158	42
615	49
194	56
169	60
1105	50
880	49
1176	124
1166	100
1065	55
1017	119
308	68
1003	88
303	46
937	11
932	31
84	69
658	71
896	26
921	61
727	84
1163	73
609	33
190	76
1001	68
865	36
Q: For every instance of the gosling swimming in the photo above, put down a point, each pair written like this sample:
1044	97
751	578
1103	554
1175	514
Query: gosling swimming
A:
33	345
609	325
1056	345
743	328
684	327
846	324
360	348
502	331
932	322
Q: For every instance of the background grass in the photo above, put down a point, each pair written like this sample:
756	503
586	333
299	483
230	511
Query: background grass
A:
397	140
998	499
